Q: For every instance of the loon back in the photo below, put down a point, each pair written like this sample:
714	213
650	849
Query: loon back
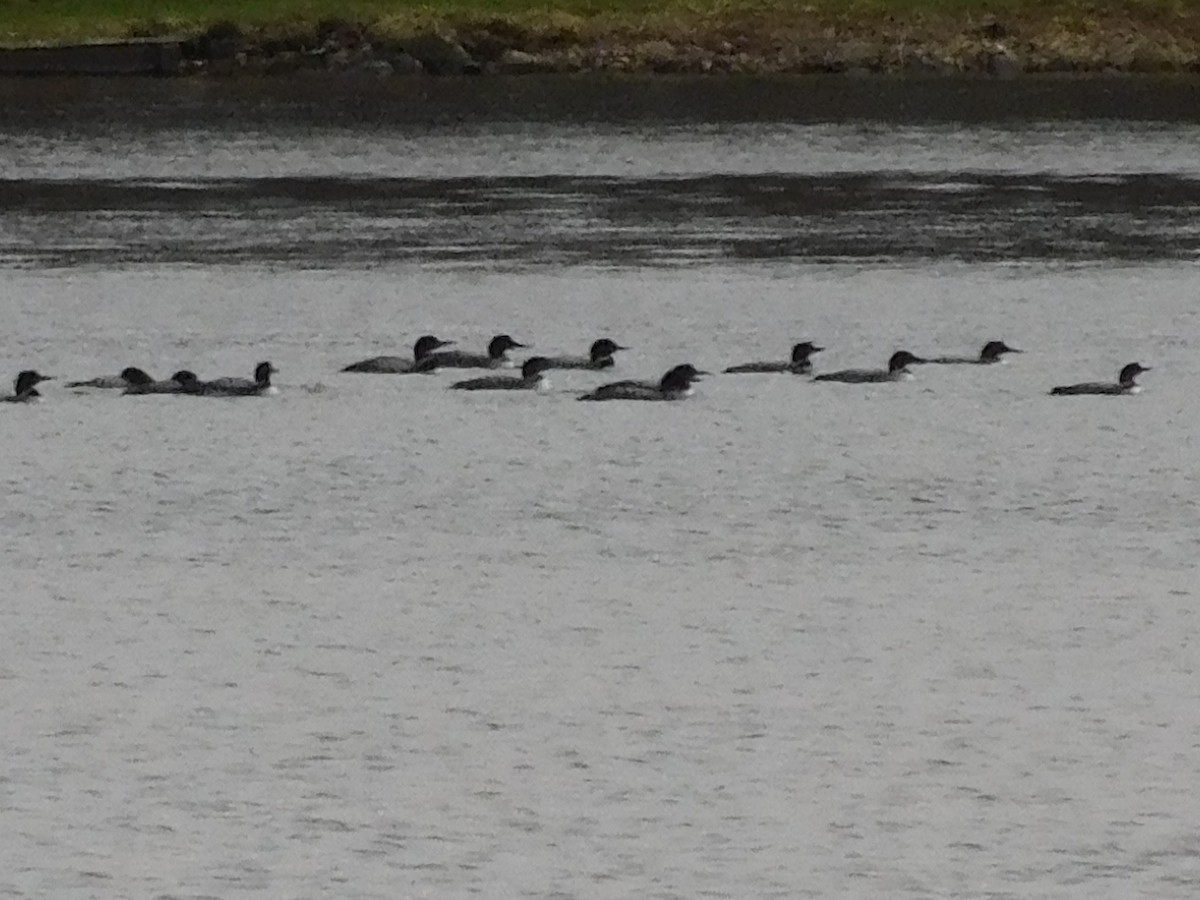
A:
860	376
760	367
381	365
1090	387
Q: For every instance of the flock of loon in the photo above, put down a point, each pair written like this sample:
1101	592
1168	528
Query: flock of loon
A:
429	355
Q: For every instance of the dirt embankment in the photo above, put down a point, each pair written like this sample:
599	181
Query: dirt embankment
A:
1033	42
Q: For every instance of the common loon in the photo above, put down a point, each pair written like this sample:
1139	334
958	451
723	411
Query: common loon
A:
1125	383
675	385
241	387
532	378
897	370
496	357
398	365
129	376
182	382
800	363
599	357
25	387
993	352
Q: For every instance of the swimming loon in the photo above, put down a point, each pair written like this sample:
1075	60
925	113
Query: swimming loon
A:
800	363
600	356
532	378
25	387
241	387
182	382
1125	383
993	352
496	358
897	370
397	365
675	385
128	376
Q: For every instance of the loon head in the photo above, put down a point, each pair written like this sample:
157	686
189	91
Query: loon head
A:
993	350
134	375
534	367
902	360
263	372
801	352
501	344
681	378
604	349
1130	372
426	344
27	380
185	377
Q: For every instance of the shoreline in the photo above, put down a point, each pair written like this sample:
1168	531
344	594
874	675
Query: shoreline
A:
1133	41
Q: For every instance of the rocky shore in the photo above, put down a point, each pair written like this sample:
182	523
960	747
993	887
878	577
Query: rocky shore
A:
1103	39
945	45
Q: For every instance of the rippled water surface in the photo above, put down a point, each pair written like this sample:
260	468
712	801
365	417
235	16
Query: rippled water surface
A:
372	638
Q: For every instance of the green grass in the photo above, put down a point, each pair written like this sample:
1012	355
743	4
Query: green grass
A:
62	21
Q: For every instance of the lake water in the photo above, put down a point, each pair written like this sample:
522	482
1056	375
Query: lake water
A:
371	638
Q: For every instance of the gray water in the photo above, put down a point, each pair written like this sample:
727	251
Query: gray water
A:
371	638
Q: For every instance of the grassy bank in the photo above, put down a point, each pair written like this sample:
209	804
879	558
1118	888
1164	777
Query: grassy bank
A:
675	35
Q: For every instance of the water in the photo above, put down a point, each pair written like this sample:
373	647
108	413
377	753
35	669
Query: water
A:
370	638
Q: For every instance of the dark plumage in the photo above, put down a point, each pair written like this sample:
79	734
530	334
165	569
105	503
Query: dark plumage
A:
182	382
532	378
675	385
398	365
241	387
993	352
800	364
25	387
1125	383
128	376
600	356
496	357
897	370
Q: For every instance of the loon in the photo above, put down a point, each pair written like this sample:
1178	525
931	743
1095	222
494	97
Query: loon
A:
496	358
675	385
897	370
600	356
799	365
993	352
182	382
1125	383
242	387
532	378
25	387
397	365
129	376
